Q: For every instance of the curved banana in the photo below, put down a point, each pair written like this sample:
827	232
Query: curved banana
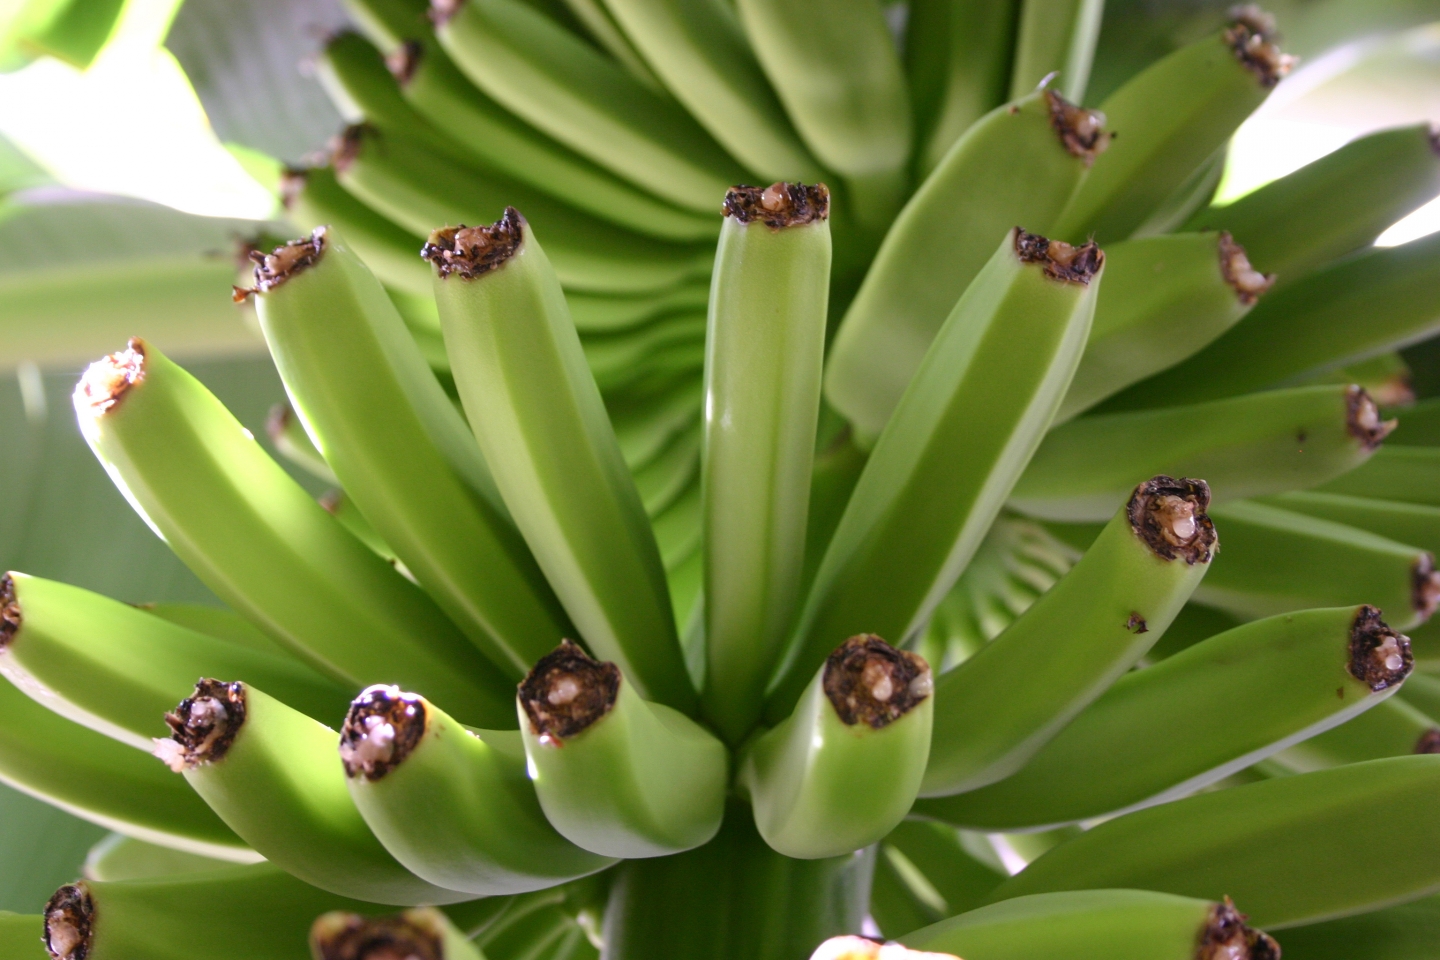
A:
1056	37
1392	729
1403	474
288	437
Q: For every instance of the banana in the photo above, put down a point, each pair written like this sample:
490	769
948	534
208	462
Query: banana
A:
1405	932
1172	729
595	313
1386	377
1277	561
677	529
557	83
1246	446
342	508
647	420
255	537
1392	729
1294	850
598	21
944	465
1168	120
403	755
21	936
118	857
1067	648
841	771
218	622
1056	37
360	386
837	468
665	479
617	775
1404	474
1422	424
1423	693
1404	522
272	775
116	669
288	437
1335	206
1165	297
1019	164
944	860
540	422
765	348
616	360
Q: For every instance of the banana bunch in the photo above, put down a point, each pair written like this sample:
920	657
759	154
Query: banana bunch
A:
968	536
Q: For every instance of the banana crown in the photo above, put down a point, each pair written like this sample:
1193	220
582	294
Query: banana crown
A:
349	936
70	922
383	726
778	205
568	691
474	251
870	682
1379	656
203	726
1169	516
107	380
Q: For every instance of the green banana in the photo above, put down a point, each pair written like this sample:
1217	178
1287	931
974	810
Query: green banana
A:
1246	446
1168	120
647	420
288	437
422	932
542	426
1404	522
386	427
841	771
765	347
272	775
118	857
595	313
1392	729
558	84
1019	164
1422	424
1404	932
1294	850
945	861
21	936
257	539
1404	474
1335	206
342	508
1386	377
617	775
944	465
1423	693
677	530
617	359
419	189
837	469
116	669
1056	37
217	622
597	20
1067	648
1277	561
665	479
1165	297
483	830
1173	728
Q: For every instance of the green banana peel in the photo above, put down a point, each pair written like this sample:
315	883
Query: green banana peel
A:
1414	523
1056	37
1404	932
22	936
288	437
1392	729
1404	474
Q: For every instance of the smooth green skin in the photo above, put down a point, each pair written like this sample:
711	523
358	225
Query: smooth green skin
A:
118	857
1392	729
1056	36
1421	427
998	708
1404	474
1276	561
941	857
596	313
958	56
1182	724
98	779
764	350
943	467
1195	192
1334	206
665	479
1010	168
1246	446
821	787
351	368
542	426
290	440
1290	851
342	508
1422	691
1077	925
20	936
646	421
421	190
614	357
217	622
256	538
1164	298
1406	932
1309	327
597	20
117	670
558	83
642	781
677	530
1404	522
1167	121
282	788
460	812
698	49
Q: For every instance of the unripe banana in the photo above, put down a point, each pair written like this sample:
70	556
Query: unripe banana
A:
118	857
1404	932
1404	474
647	420
948	863
422	932
617	775
288	437
1392	729
1056	36
1075	641
1404	522
841	771
22	936
617	360
666	478
342	508
597	313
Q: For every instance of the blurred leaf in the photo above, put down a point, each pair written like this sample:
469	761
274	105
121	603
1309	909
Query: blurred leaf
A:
70	30
18	171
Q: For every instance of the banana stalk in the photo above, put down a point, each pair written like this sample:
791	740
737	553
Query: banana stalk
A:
422	932
1073	642
288	437
616	775
764	350
1246	446
542	426
1173	728
482	830
1056	37
941	470
272	775
1019	164
255	537
842	770
1392	729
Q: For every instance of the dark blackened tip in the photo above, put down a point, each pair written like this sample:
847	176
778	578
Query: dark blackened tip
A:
1061	261
287	260
471	252
292	184
412	935
1247	282
1434	137
1251	37
203	726
1362	419
1429	741
404	60
567	691
345	146
1424	585
10	616
868	681
1081	131
442	11
70	922
106	381
381	729
1226	936
778	205
1379	657
1169	515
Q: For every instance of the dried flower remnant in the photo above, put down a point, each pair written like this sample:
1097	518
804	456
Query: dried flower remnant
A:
287	260
383	726
870	682
10	616
1425	586
350	936
203	726
1251	37
106	381
778	205
471	252
1060	261
1226	936
1362	419
1169	515
70	922
1247	282
1379	657
404	60
566	692
1429	741
1081	131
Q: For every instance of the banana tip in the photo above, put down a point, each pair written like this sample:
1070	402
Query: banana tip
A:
404	60
1362	419
381	729
1081	131
441	11
779	205
1236	269
1251	37
1226	936
1379	657
471	252
1061	261
69	922
411	935
106	381
203	726
1428	742
870	682
1425	591
567	691
287	260
1169	516
10	615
